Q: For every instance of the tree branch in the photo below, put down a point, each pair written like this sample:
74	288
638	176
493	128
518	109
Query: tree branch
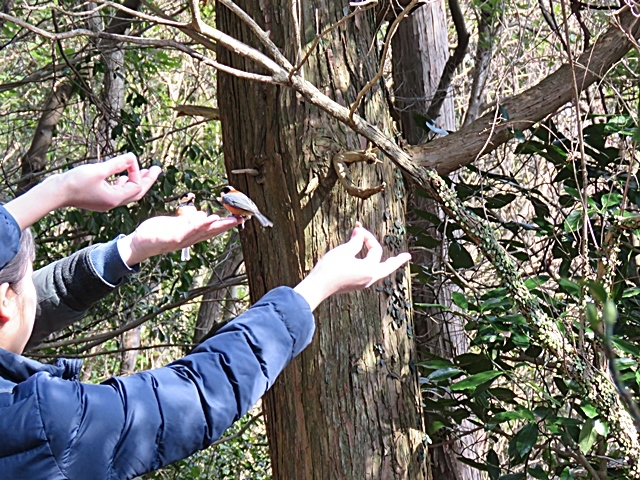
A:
449	153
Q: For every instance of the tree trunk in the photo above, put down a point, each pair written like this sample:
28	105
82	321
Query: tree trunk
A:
348	407
211	315
420	52
35	160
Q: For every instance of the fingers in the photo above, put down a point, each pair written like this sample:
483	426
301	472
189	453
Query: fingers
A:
118	164
374	249
220	225
389	266
147	179
121	181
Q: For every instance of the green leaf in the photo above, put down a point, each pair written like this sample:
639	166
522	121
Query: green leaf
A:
500	200
610	313
475	380
574	220
509	415
443	374
427	241
570	287
521	340
626	346
460	257
631	292
538	472
493	465
588	436
566	474
589	410
523	441
436	364
535	282
518	135
503	113
460	300
513	476
611	199
597	291
600	427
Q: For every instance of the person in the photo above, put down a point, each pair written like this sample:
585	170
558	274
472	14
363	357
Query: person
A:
55	427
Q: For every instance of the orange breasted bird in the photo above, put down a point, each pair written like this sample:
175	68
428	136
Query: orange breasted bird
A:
186	206
242	206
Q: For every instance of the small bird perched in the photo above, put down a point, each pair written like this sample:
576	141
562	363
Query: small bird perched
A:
242	206
186	206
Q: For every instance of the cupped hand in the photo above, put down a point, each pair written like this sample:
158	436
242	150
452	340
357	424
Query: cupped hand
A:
340	271
165	234
87	186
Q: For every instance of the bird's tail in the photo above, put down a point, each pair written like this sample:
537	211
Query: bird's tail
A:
185	255
264	221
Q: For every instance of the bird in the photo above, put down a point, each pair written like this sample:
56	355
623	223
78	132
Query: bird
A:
186	206
242	206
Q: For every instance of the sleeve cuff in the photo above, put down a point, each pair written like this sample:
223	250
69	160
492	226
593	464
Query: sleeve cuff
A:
9	237
108	264
295	313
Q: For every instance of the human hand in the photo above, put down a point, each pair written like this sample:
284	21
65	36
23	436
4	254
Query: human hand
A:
340	271
84	187
87	186
164	234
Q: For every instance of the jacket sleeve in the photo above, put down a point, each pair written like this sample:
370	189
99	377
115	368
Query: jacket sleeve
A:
9	237
150	419
67	288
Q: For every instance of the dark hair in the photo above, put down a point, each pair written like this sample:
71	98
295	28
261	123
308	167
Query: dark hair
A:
13	273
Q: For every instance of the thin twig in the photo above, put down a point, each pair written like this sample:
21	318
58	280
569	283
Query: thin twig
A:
378	76
359	9
103	337
251	421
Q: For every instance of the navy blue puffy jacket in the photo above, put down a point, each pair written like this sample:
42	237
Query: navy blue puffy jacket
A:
55	427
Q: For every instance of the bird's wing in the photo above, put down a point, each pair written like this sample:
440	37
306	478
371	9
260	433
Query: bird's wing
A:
240	201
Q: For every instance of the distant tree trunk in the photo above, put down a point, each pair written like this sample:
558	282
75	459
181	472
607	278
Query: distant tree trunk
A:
211	315
35	160
420	51
349	406
489	28
111	102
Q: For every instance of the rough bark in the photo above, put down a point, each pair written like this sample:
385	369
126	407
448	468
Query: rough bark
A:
129	358
35	160
420	56
348	406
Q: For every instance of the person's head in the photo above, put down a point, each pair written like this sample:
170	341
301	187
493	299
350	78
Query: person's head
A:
18	297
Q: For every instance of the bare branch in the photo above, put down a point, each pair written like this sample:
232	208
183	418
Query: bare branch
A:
392	30
460	148
95	340
198	111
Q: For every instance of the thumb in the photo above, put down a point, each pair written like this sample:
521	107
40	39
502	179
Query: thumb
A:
354	246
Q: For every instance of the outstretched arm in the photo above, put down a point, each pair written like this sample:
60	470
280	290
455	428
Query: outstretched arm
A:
66	289
147	420
86	187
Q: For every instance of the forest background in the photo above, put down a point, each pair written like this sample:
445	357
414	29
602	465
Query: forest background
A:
496	140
